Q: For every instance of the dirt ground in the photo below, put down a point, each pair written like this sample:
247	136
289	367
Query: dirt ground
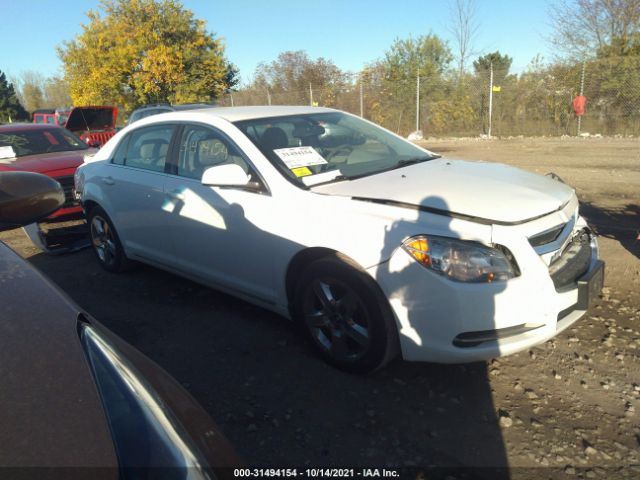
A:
566	409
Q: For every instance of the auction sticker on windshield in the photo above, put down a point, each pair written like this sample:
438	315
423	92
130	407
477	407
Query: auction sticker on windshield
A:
297	157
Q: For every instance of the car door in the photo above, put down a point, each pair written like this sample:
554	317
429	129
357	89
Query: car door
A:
216	231
134	185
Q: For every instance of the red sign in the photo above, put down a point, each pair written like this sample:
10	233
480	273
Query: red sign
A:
579	105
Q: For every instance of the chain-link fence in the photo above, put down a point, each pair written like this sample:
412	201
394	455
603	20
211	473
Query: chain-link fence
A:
537	102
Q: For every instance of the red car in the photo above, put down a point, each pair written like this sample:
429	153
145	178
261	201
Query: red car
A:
46	149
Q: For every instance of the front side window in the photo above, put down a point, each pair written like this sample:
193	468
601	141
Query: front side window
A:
319	147
147	147
203	147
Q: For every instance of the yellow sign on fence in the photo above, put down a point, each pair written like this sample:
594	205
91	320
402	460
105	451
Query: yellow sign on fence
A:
497	88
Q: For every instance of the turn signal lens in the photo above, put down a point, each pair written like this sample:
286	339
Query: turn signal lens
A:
418	248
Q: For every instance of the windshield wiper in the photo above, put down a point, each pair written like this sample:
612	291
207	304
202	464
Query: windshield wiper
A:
414	160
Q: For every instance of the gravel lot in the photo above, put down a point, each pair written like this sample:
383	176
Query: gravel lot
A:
565	409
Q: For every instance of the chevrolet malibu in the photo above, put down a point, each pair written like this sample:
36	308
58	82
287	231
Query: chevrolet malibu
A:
373	245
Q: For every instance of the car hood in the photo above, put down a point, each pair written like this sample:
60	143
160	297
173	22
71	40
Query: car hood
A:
92	118
46	162
483	192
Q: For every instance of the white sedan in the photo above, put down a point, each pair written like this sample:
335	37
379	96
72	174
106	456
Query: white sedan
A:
375	245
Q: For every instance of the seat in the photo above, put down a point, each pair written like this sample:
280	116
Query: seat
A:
274	138
209	153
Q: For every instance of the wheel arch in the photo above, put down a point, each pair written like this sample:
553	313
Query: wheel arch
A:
305	257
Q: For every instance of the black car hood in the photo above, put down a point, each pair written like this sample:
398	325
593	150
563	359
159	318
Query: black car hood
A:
92	118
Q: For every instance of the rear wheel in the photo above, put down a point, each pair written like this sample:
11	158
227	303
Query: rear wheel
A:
346	315
105	242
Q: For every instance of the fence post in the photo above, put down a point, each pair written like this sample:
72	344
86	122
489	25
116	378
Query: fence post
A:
231	95
268	97
490	96
418	101
581	93
361	100
310	95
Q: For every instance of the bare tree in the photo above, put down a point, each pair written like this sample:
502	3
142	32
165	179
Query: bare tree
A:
29	86
464	28
56	93
585	28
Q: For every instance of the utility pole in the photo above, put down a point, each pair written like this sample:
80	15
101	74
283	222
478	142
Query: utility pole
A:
418	101
490	96
310	95
581	94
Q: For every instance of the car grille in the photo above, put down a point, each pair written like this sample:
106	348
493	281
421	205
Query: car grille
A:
100	137
546	237
573	262
67	186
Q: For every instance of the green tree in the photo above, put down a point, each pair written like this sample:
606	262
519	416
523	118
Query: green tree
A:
501	65
10	107
426	56
135	52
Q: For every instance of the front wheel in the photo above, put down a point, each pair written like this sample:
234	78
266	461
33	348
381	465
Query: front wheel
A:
105	241
346	315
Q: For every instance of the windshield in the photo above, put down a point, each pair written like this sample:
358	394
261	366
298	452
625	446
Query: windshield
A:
33	142
322	147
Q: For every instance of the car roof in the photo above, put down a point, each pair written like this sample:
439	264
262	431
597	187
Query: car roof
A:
20	127
235	114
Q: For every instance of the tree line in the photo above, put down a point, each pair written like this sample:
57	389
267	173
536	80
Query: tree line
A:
136	52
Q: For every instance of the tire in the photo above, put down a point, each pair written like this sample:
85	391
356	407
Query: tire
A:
106	243
346	316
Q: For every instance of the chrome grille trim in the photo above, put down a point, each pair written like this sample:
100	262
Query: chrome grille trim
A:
559	242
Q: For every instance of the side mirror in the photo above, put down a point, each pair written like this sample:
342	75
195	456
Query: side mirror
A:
26	197
229	175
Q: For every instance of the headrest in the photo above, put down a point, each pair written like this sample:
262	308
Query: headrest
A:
212	152
146	150
274	138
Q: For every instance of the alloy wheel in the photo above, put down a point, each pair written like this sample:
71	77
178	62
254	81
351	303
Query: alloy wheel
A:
337	319
103	240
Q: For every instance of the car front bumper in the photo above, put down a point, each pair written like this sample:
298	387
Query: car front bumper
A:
443	321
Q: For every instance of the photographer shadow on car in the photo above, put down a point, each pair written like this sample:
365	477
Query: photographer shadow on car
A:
454	418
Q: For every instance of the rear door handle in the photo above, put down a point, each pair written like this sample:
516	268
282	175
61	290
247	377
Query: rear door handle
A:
108	181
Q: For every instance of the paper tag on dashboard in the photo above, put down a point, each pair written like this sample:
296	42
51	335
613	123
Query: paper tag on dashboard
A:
7	152
297	157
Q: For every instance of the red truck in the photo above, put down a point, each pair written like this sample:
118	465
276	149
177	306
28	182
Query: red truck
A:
50	116
95	125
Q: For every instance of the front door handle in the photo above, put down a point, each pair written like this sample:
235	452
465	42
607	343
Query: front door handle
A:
108	181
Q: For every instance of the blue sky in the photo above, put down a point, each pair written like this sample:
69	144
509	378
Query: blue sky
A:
349	32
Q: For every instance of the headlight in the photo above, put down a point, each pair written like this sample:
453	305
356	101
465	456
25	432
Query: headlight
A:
460	260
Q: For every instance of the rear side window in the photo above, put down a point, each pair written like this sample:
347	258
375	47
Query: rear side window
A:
147	148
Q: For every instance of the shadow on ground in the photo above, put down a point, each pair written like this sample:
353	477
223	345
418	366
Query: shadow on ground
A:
276	401
620	224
